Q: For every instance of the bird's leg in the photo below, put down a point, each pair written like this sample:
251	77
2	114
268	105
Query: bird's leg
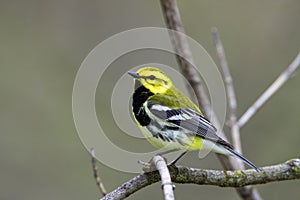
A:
147	166
175	161
168	151
173	150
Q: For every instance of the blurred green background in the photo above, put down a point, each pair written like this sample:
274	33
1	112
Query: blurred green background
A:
43	44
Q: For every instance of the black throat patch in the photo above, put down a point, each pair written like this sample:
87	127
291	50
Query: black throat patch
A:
140	95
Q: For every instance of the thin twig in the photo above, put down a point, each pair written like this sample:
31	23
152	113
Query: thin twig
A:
185	61
232	102
290	170
166	183
96	174
283	77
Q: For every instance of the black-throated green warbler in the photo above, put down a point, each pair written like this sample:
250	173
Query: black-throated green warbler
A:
170	120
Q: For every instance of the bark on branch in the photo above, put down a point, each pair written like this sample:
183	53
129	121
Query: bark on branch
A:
287	171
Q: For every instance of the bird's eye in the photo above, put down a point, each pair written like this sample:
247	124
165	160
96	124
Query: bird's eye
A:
151	77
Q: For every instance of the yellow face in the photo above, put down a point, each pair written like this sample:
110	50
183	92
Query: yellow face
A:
154	79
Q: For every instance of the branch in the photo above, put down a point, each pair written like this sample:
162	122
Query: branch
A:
159	163
133	185
96	174
180	44
286	171
283	77
166	184
183	52
289	170
232	102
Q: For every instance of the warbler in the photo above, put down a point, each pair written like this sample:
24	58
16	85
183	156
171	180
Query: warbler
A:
170	120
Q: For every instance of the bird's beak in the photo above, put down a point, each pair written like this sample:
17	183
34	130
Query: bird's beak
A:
134	74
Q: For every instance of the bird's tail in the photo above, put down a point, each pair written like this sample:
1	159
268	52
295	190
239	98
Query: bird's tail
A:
240	156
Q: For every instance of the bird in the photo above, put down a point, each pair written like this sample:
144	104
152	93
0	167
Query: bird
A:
170	120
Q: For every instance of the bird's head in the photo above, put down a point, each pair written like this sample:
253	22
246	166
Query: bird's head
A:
153	79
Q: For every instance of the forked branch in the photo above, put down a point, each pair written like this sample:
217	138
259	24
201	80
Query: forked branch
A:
185	61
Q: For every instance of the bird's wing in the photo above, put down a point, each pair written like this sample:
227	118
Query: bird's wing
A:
170	110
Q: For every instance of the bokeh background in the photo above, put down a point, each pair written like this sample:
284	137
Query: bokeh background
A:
43	44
